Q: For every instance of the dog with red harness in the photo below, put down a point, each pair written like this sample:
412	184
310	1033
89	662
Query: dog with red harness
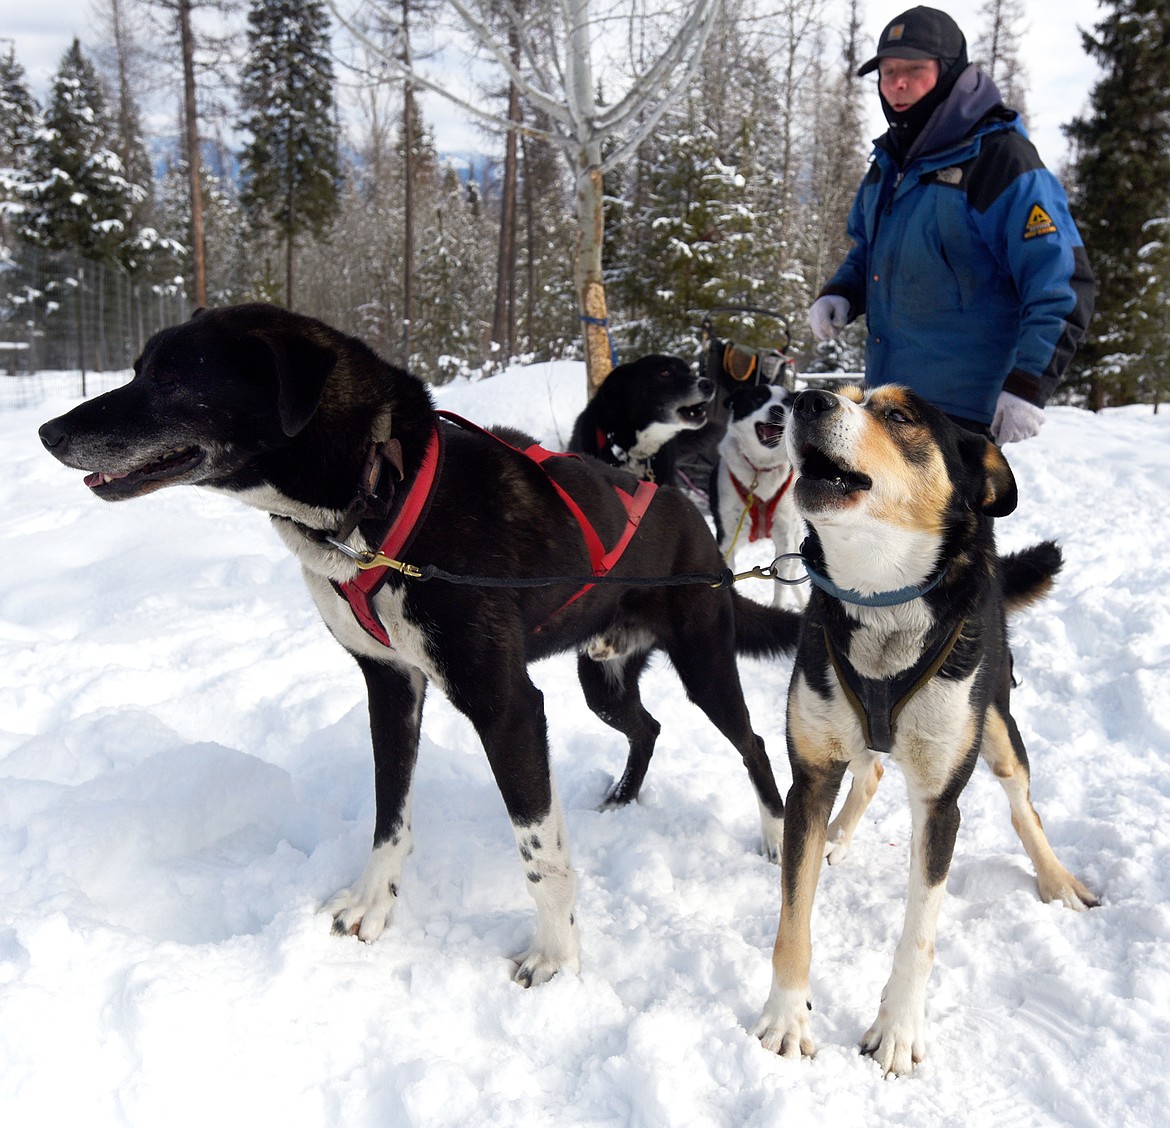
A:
751	484
388	506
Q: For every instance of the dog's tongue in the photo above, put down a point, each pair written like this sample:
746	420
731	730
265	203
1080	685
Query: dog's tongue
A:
98	479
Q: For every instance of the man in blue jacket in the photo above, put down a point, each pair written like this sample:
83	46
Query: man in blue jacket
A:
966	262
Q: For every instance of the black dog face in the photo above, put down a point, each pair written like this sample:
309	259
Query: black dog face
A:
660	390
200	407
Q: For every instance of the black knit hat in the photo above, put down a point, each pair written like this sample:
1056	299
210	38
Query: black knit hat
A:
920	33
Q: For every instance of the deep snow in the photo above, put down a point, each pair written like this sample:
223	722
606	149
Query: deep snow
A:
185	777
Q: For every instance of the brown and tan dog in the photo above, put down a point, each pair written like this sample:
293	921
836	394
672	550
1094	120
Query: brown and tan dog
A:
903	653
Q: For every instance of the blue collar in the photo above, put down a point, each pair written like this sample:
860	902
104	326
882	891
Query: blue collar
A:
878	599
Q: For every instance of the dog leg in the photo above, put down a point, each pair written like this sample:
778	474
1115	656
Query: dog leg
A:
705	664
866	777
395	701
611	691
509	718
783	1026
1003	749
897	1038
552	883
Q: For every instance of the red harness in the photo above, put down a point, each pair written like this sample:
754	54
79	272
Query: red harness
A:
762	515
359	591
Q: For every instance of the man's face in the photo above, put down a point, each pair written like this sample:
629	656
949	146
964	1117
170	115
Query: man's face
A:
903	82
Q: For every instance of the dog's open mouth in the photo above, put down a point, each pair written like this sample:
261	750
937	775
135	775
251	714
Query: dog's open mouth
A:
152	475
819	471
770	434
693	414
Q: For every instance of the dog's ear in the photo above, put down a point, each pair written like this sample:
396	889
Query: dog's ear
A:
997	495
301	368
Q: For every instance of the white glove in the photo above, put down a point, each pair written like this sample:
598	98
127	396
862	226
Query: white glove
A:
1015	419
827	316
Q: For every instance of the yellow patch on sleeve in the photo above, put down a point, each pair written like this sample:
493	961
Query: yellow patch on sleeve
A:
1039	223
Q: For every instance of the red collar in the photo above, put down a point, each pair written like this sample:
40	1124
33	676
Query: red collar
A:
360	591
762	515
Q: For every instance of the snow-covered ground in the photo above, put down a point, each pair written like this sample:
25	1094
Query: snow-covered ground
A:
185	777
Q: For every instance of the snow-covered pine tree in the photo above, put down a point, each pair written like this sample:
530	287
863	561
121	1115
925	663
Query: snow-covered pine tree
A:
290	166
1121	199
77	195
685	241
454	281
18	123
122	62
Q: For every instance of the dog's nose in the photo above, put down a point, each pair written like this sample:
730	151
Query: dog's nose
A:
706	387
815	401
54	436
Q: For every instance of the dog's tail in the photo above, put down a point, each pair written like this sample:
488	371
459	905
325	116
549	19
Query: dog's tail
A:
1027	575
762	631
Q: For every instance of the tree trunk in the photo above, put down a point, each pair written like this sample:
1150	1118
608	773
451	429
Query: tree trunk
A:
408	201
194	159
587	276
503	314
81	324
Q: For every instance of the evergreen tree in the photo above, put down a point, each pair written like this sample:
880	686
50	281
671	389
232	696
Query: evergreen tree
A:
18	122
290	167
123	65
78	198
549	326
454	283
836	165
1121	197
688	243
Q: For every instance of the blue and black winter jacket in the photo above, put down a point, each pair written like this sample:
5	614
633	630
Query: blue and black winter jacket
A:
966	262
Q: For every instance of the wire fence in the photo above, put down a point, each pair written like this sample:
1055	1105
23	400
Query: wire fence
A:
60	311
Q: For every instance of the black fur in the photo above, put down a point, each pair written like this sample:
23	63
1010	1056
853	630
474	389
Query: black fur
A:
886	480
282	410
636	417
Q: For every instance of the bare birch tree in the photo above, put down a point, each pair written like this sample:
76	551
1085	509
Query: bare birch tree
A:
562	84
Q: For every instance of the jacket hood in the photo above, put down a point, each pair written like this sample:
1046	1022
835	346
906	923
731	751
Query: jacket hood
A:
972	97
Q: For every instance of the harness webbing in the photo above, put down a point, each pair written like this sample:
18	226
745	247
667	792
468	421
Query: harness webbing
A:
879	701
362	588
359	591
762	514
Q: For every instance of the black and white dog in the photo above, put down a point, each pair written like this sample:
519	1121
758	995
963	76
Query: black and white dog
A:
362	480
636	413
903	653
751	484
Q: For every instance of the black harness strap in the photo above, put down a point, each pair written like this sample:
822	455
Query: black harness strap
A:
879	701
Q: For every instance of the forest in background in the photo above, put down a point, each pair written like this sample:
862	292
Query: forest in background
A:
317	182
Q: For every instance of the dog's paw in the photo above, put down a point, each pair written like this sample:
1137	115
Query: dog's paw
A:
783	1027
621	794
771	835
1060	885
837	845
897	1046
541	962
364	908
361	913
